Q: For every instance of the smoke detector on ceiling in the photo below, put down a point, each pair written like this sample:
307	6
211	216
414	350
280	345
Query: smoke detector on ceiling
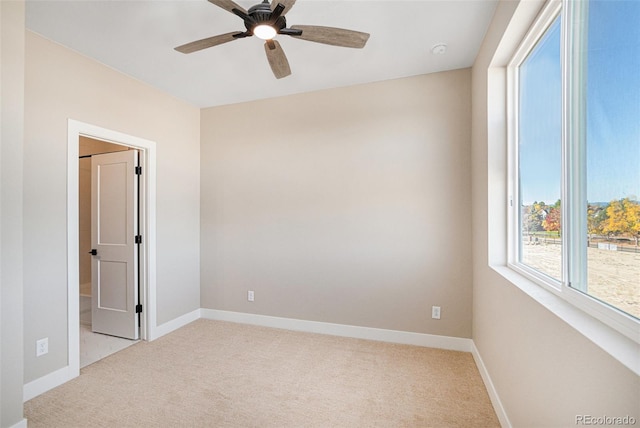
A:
439	49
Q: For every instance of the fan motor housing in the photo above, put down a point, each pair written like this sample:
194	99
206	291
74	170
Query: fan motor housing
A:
261	14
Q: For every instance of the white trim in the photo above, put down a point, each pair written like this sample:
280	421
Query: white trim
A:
573	190
149	321
541	25
73	269
491	390
544	20
369	333
148	269
47	382
57	378
622	348
65	374
175	324
21	424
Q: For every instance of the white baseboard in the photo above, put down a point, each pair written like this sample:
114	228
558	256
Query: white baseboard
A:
393	336
60	376
54	379
174	324
21	424
493	394
382	335
46	382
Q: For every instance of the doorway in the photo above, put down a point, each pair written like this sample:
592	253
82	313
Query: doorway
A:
77	276
108	176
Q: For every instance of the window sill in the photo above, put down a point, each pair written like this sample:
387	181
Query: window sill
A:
622	348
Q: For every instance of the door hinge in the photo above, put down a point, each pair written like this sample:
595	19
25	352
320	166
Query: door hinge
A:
138	170
138	239
138	309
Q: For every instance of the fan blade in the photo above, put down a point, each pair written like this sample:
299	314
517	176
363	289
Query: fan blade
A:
245	16
290	32
288	4
332	36
208	42
228	5
277	59
276	12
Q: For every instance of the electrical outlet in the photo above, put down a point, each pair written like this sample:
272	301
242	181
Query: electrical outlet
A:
435	312
42	346
250	295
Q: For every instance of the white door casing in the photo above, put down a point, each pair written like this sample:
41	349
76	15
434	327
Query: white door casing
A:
114	227
149	329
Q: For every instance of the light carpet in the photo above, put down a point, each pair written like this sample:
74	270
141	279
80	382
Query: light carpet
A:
220	374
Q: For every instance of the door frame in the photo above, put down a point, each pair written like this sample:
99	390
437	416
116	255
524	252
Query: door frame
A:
147	148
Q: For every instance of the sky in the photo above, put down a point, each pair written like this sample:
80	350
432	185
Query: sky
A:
613	108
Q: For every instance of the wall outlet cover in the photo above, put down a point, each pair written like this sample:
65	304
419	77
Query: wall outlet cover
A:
42	346
435	312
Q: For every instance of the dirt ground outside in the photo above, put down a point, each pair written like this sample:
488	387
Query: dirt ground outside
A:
613	276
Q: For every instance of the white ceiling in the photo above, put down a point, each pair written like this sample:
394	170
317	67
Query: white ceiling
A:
138	37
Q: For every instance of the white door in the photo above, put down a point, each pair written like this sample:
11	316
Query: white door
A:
114	230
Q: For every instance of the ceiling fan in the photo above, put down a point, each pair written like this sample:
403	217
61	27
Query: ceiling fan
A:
266	20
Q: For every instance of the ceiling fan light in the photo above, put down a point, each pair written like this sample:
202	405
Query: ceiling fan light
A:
264	32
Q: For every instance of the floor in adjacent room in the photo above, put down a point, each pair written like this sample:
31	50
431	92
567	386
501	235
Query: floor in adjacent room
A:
96	346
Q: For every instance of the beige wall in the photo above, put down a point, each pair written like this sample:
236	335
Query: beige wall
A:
348	206
84	220
12	16
62	85
544	371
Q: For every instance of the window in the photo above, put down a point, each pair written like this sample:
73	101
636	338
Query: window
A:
574	142
612	145
539	155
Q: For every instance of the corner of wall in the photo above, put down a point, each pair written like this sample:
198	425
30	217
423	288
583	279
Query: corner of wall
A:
12	25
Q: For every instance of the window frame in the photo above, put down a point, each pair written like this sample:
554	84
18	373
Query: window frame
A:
573	170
